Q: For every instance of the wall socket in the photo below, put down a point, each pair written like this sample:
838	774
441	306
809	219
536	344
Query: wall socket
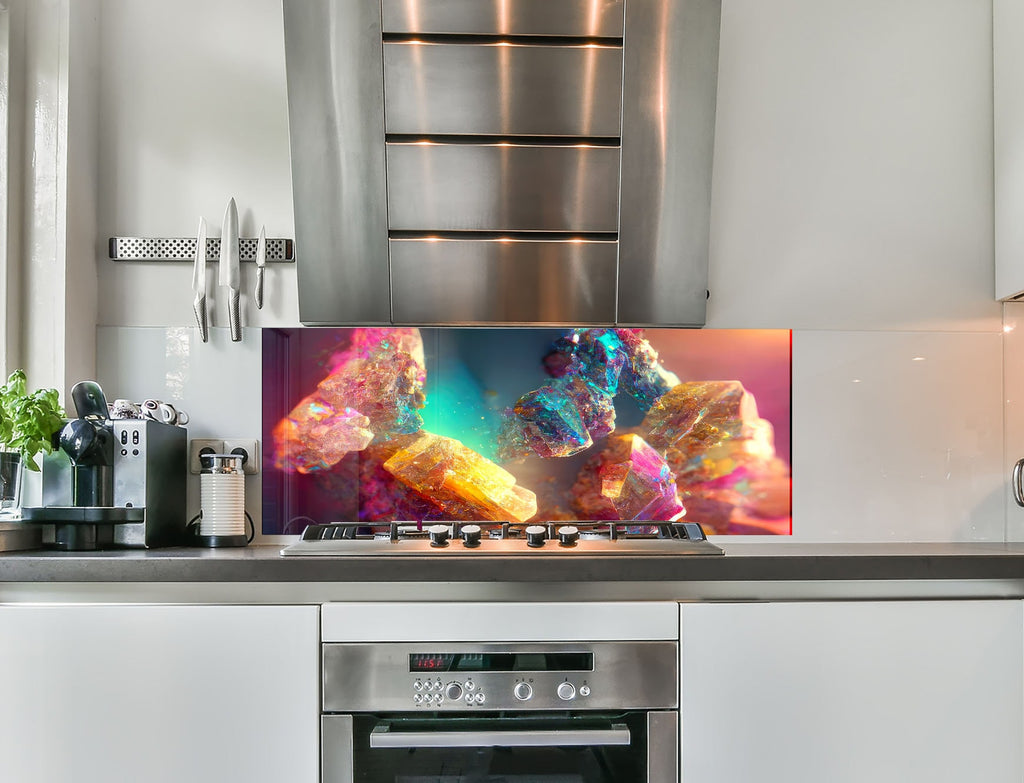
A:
249	447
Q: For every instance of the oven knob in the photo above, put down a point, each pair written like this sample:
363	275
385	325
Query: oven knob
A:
470	535
584	690
417	699
479	698
470	685
568	535
535	535
417	685
438	535
566	691
522	691
453	691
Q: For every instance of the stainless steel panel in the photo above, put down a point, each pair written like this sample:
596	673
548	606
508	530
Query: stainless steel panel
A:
376	677
670	77
599	18
662	747
382	737
502	187
493	281
502	89
336	749
336	119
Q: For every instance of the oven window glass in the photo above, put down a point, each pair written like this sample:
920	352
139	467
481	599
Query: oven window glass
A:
478	762
518	424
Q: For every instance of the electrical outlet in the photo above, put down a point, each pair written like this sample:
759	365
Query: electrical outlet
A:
199	446
249	448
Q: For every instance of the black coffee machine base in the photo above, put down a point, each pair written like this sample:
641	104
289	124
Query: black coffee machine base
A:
83	528
79	537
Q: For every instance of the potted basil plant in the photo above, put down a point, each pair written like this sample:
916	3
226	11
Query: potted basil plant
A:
28	423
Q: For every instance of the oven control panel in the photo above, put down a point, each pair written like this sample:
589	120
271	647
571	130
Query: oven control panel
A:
438	693
484	677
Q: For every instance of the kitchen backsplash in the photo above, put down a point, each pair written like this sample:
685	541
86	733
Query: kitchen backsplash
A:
896	436
515	424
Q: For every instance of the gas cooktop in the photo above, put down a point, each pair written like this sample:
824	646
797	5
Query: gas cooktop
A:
456	539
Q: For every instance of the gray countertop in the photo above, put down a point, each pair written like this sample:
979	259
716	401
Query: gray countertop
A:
742	562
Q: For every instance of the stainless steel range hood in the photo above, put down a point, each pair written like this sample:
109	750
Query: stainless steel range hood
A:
502	161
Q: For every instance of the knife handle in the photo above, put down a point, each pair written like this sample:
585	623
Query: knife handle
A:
199	306
258	294
234	317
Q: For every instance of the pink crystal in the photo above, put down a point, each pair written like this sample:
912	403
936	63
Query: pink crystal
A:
628	480
373	391
315	436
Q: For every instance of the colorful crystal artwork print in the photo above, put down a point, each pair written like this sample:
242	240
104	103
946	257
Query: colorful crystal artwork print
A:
495	425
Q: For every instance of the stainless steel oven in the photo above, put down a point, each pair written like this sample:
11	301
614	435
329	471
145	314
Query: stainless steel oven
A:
522	712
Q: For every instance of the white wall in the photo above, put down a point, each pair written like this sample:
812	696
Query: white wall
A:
852	203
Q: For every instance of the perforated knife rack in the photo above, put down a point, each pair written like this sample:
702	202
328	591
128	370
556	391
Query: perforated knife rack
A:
279	251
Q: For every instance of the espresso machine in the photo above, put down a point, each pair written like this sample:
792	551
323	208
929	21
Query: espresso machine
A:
113	482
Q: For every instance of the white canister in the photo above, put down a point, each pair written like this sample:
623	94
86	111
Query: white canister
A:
222	497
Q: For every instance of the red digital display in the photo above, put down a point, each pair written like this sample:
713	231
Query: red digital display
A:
430	662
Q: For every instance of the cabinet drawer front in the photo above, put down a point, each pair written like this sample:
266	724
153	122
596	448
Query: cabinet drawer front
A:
599	18
502	89
497	187
503	281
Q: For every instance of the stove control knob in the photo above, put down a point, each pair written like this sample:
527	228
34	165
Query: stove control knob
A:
438	535
566	691
535	535
522	691
470	535
453	691
568	535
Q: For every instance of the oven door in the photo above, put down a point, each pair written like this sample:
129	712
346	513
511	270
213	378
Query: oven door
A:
633	747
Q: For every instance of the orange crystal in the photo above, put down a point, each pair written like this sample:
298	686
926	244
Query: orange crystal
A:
464	483
707	429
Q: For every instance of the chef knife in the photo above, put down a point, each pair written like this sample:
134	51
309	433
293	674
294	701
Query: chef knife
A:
229	274
199	282
261	262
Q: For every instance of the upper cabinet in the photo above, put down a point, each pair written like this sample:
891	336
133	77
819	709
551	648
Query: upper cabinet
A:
502	161
1008	128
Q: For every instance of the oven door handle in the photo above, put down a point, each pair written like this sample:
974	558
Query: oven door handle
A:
382	737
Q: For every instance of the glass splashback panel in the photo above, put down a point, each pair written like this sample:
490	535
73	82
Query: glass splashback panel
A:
517	424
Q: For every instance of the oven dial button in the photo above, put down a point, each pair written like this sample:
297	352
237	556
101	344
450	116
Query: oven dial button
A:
566	691
453	691
469	698
417	686
470	685
479	698
522	691
535	535
438	535
417	699
470	535
584	690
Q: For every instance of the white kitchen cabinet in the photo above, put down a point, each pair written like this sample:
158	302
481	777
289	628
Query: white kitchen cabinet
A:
1008	134
900	691
159	694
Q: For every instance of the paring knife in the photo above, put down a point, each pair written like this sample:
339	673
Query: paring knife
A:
199	282
261	262
229	274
